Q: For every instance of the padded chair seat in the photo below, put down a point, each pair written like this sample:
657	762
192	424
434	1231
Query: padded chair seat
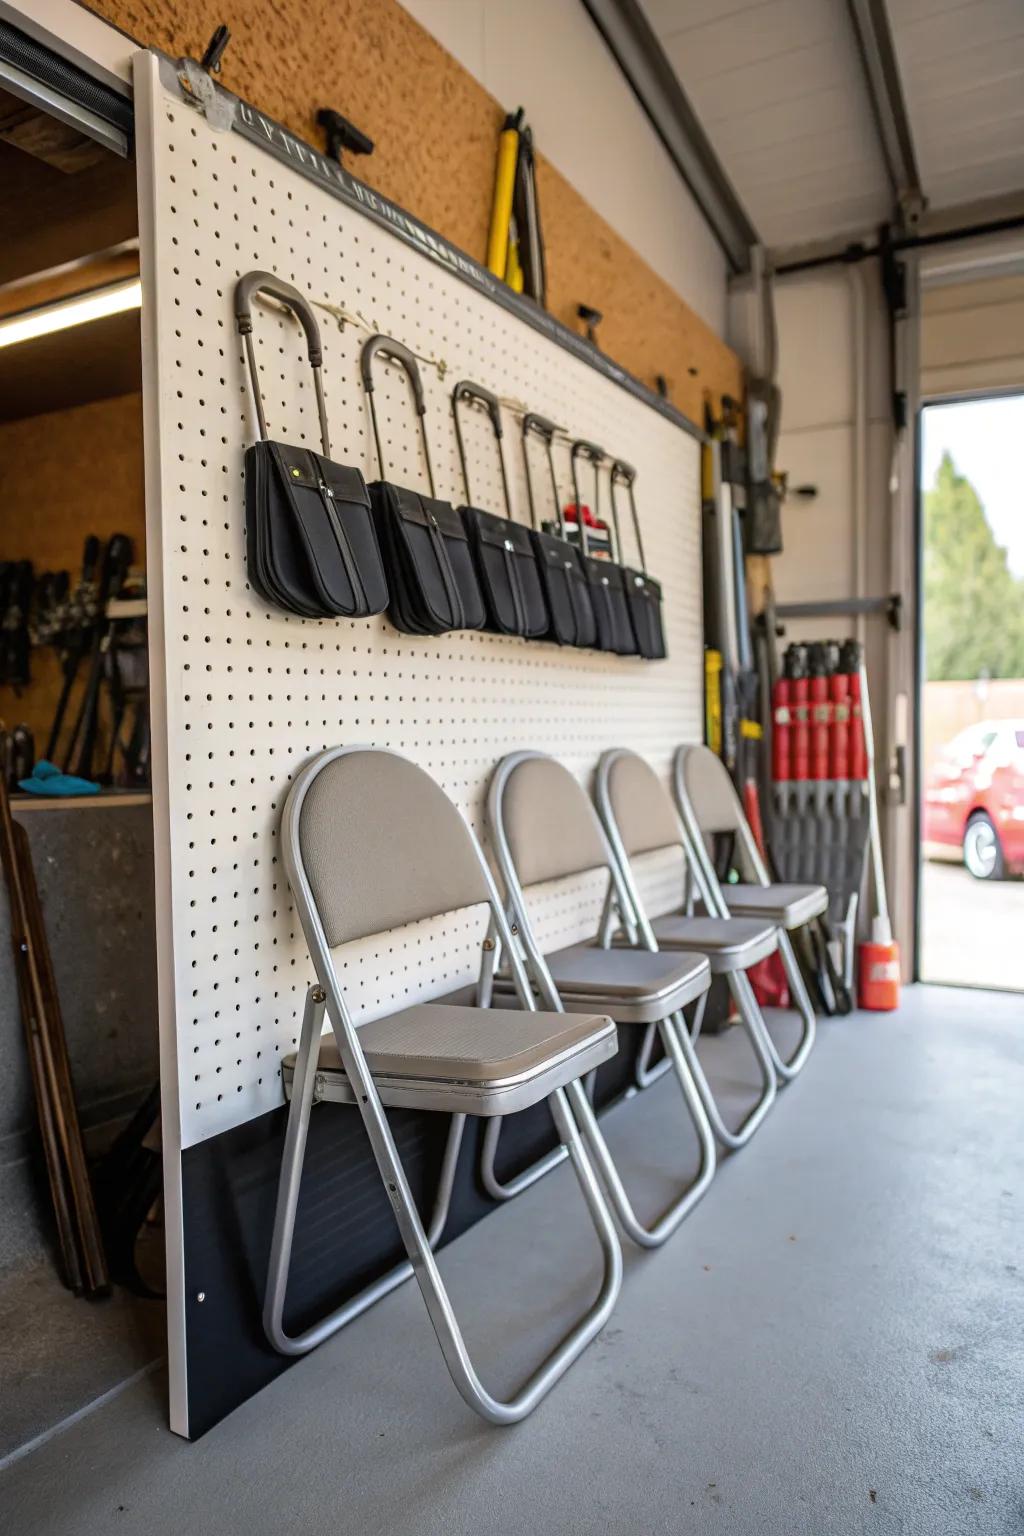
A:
634	985
476	1061
790	906
730	943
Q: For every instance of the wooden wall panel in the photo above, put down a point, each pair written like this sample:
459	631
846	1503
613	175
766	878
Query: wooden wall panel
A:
62	476
436	131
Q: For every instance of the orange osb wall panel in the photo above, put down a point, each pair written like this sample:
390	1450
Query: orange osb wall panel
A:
646	326
64	475
435	130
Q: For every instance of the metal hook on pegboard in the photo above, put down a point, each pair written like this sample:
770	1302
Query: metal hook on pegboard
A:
343	317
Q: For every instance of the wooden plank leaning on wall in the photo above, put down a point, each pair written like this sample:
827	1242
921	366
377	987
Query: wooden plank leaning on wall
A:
436	133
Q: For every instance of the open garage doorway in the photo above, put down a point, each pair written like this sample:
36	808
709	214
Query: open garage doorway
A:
971	913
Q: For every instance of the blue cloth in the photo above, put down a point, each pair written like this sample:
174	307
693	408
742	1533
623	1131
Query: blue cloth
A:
47	779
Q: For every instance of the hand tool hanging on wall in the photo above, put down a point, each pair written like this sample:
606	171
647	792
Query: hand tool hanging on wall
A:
83	1263
49	606
643	593
720	617
423	540
341	134
505	558
526	211
605	577
22	754
565	585
591	318
117	557
126	674
310	545
16	583
515	244
504	193
74	634
762	519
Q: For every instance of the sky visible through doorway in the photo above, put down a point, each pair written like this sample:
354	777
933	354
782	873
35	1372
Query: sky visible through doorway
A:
986	441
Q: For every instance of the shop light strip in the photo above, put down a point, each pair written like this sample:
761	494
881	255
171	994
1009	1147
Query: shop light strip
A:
115	299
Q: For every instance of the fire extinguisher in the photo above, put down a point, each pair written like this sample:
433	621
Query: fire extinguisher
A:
856	759
817	690
796	666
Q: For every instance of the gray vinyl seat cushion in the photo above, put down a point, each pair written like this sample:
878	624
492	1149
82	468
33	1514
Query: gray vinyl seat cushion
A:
635	986
789	906
730	943
463	1060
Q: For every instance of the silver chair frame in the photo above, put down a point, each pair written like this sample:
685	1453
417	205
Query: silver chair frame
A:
713	899
751	1020
674	1033
419	1244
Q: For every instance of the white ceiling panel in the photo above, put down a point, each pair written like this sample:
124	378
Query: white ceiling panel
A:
962	67
777	86
780	89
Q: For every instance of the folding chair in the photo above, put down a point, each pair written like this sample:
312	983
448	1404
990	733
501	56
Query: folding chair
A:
639	817
370	843
543	827
708	803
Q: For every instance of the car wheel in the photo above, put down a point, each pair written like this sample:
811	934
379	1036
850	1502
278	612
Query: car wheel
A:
983	852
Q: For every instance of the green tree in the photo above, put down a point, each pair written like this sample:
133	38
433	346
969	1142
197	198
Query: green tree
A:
973	604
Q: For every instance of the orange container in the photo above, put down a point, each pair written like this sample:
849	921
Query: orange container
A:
879	976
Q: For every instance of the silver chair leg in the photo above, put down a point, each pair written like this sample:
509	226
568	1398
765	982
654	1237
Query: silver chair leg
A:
753	1026
449	1335
507	1189
787	1070
643	1073
622	1206
422	1262
303	1083
698	1017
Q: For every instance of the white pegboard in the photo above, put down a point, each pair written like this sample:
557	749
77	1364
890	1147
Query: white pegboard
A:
251	692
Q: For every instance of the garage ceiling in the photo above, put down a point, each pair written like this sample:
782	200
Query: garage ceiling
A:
781	89
962	67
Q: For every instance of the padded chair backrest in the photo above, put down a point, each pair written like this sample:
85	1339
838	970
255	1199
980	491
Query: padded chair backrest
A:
382	845
642	806
709	790
550	825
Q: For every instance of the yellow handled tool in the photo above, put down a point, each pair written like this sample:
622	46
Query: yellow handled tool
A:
504	185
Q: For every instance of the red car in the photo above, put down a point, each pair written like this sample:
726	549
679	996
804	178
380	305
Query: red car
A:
974	799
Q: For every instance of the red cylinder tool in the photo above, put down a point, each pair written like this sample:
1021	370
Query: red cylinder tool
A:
839	733
800	745
817	690
857	758
781	729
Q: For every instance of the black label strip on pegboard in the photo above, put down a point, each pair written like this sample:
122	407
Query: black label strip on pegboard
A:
227	112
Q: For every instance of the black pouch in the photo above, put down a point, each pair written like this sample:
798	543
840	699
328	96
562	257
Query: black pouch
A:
430	570
570	609
505	558
605	578
310	545
643	593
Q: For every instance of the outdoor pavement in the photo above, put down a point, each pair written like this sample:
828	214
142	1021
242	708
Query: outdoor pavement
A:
972	931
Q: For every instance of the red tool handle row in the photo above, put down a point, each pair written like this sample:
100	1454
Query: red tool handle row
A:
817	725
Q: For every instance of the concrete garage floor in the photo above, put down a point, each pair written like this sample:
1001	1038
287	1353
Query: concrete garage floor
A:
833	1343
